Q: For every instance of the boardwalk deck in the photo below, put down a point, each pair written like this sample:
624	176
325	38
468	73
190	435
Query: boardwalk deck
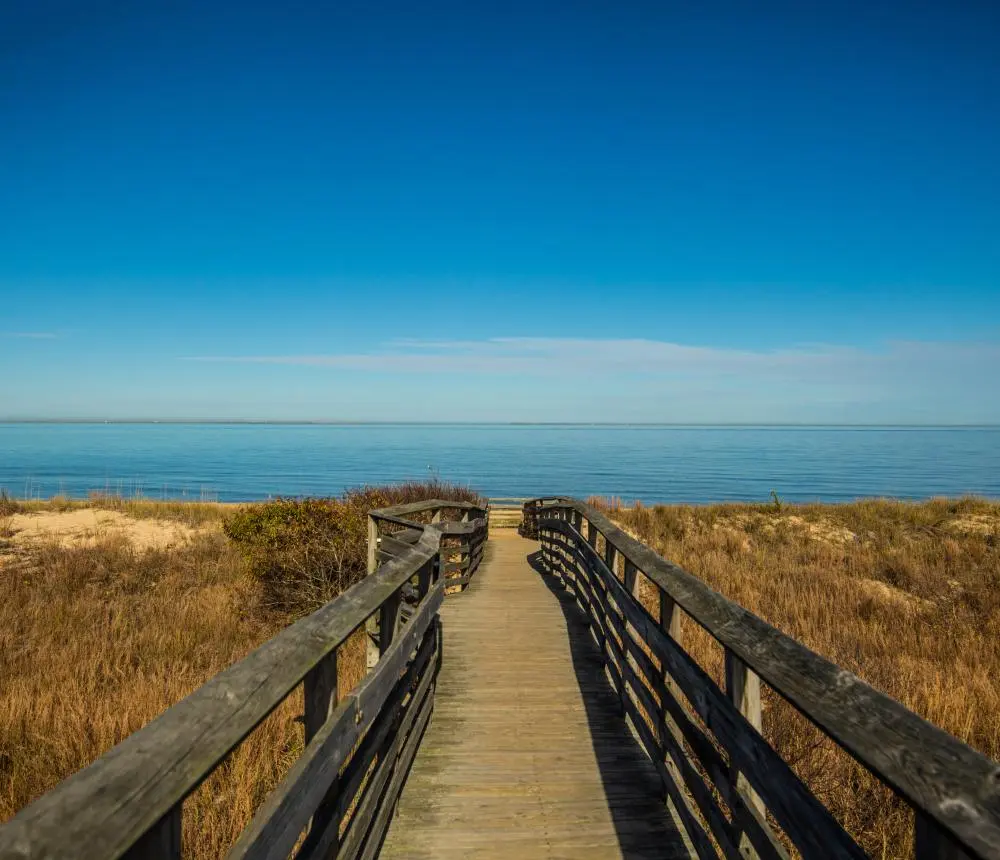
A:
526	754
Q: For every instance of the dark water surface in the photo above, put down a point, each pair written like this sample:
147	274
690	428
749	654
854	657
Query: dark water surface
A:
691	464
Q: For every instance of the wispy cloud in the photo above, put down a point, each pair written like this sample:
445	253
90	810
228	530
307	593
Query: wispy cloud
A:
30	335
586	357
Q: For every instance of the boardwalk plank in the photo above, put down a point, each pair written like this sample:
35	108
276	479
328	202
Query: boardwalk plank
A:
527	754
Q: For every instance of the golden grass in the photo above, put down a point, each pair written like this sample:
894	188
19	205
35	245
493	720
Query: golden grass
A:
96	641
906	595
99	637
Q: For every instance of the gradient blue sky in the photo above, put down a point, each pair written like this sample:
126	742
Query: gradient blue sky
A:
600	211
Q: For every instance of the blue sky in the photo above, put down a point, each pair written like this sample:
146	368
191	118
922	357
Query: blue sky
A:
721	212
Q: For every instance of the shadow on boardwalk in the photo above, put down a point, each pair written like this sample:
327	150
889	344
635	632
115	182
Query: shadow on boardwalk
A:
527	754
635	797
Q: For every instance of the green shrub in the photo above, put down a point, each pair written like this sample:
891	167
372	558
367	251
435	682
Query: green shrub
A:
304	552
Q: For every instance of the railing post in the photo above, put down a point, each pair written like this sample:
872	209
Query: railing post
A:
320	690
372	544
162	841
371	625
670	623
930	842
743	689
388	622
610	556
629	574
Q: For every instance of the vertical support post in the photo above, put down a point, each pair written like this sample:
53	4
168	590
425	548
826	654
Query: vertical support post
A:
631	579
467	551
320	694
371	625
610	559
321	701
468	548
610	556
162	841
425	577
930	842
670	623
743	689
388	622
372	544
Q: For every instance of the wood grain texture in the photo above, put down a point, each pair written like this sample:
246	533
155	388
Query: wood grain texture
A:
527	754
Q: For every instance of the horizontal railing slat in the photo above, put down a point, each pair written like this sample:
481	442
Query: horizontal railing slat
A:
362	817
429	505
642	684
952	783
804	818
279	821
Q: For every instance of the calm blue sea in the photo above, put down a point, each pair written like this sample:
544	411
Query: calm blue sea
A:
671	464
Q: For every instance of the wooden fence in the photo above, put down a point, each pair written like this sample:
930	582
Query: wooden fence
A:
392	531
731	789
338	797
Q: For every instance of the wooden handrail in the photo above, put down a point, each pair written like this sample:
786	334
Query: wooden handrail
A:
428	505
461	551
128	803
953	789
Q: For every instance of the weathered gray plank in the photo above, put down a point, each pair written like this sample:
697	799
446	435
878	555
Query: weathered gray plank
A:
931	843
161	842
388	804
363	816
957	786
805	819
275	828
743	689
320	690
321	842
526	754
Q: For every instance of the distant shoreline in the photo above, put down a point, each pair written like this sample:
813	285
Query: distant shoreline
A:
625	424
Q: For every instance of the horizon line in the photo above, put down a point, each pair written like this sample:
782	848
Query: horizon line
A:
403	422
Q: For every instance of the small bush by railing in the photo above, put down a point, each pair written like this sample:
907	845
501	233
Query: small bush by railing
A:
304	552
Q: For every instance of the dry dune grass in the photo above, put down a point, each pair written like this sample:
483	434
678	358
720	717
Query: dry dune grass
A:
95	641
906	595
97	638
101	631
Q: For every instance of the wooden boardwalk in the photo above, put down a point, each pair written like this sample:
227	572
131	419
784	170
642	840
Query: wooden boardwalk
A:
526	754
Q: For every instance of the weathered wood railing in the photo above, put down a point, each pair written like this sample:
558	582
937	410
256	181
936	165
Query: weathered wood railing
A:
729	787
337	799
392	530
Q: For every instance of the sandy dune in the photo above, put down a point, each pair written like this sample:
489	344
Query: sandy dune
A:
87	526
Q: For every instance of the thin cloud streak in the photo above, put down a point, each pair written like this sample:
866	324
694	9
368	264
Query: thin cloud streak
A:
30	335
587	357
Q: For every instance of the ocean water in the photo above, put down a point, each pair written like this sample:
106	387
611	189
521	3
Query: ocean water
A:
240	462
